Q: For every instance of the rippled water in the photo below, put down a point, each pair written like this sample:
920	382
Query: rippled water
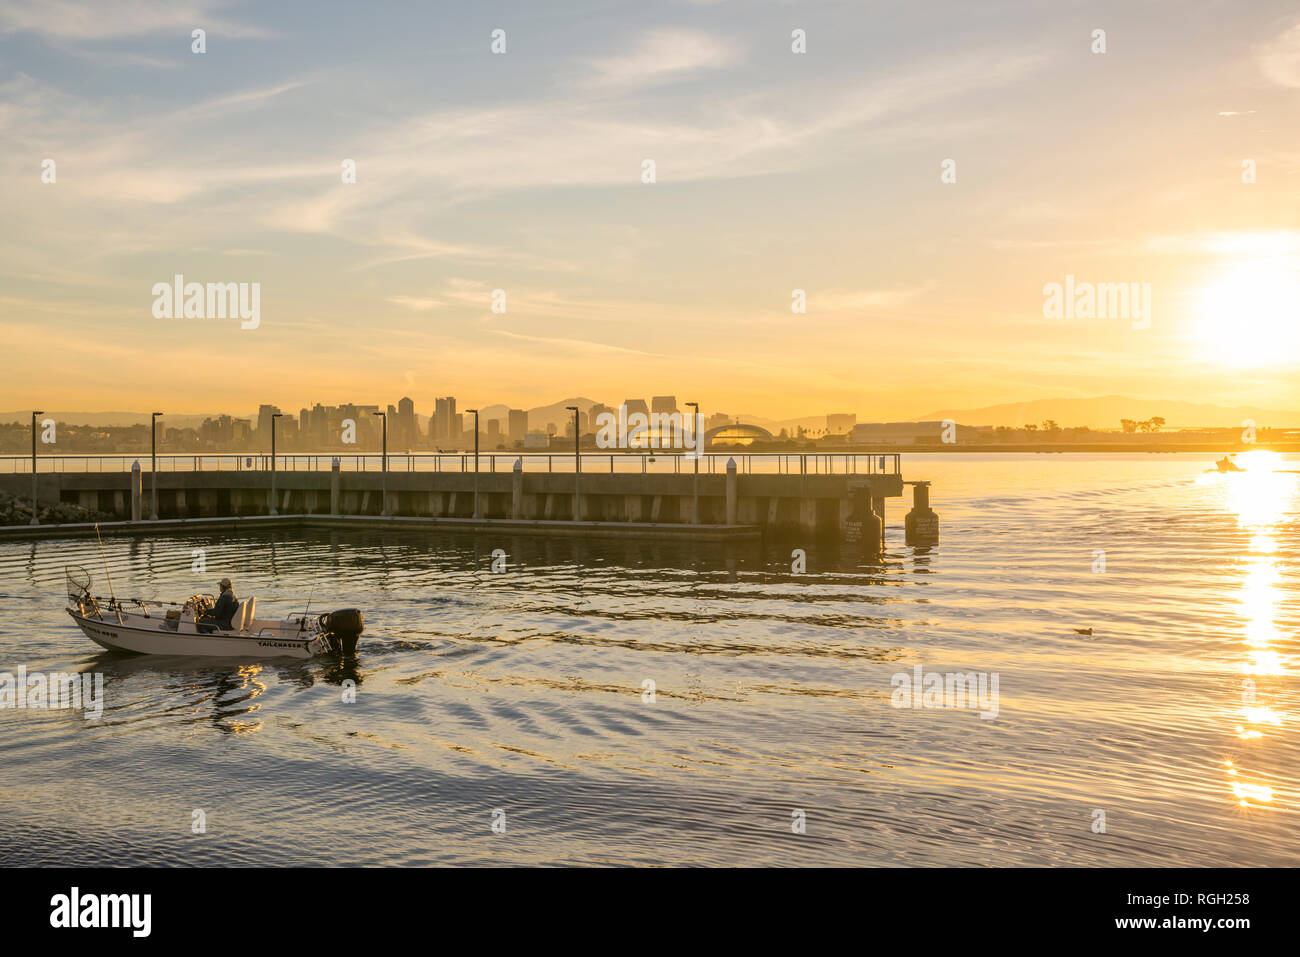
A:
523	691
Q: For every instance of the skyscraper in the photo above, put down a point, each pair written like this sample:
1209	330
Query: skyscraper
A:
443	427
518	424
406	426
264	413
667	421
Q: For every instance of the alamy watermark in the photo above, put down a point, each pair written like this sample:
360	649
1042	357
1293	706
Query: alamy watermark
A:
75	909
179	299
934	689
653	430
82	691
1098	300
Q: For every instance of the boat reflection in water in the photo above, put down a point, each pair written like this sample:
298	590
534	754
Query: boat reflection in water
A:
219	693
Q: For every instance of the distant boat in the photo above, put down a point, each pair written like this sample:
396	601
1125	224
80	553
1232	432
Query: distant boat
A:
1226	464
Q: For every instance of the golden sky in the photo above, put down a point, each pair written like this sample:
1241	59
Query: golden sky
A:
1172	159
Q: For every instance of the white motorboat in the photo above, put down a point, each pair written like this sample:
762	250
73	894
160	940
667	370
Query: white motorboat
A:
130	625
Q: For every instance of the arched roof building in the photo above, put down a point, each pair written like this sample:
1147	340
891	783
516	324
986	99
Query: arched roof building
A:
736	434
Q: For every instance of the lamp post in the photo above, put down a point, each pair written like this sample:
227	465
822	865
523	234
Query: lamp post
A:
35	520
475	411
153	466
695	494
274	416
383	466
577	465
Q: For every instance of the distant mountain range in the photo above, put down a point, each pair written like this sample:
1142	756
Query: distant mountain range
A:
1097	412
192	421
537	417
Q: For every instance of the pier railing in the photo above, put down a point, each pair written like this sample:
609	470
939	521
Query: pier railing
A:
666	462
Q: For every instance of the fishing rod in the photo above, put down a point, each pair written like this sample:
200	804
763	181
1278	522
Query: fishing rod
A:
117	609
302	622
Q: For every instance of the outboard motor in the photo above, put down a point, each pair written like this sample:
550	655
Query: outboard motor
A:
343	628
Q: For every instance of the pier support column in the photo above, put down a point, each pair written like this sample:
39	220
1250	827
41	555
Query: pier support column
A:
577	488
695	495
878	506
732	482
808	516
517	490
863	526
336	486
921	526
873	530
135	491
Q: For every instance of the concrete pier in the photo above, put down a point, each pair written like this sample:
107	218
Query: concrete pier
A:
792	506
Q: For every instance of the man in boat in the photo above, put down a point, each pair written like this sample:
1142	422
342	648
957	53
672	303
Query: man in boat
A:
223	612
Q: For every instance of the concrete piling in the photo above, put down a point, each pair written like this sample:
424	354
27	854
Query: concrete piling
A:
731	491
136	491
921	526
866	526
873	532
336	486
517	490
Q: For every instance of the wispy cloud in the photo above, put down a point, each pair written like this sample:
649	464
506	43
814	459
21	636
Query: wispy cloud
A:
662	56
112	19
1279	59
415	303
577	345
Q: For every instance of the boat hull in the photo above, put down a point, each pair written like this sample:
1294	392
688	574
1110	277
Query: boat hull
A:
107	633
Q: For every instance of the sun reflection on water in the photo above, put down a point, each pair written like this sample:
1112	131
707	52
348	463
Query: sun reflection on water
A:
1260	497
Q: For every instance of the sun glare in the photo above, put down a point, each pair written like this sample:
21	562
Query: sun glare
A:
1250	313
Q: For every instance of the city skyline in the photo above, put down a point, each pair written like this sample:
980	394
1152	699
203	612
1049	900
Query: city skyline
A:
851	180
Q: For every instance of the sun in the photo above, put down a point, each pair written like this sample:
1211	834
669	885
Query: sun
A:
1249	313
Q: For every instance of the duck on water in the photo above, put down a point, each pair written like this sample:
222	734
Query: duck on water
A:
208	627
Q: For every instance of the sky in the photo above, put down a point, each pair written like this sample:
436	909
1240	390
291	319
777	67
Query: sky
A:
923	173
